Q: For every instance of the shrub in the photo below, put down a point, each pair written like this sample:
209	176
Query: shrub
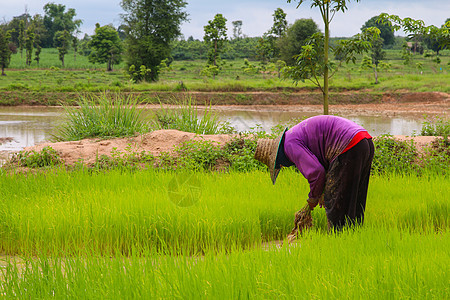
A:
393	156
33	159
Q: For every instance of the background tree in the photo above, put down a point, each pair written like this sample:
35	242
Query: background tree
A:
280	24
29	43
237	29
5	53
56	19
62	43
376	56
39	32
296	36
215	37
106	46
151	26
328	9
386	31
21	38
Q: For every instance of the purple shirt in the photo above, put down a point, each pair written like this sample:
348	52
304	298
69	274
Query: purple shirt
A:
314	143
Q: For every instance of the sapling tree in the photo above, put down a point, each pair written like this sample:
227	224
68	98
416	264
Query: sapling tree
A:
106	46
309	57
376	56
313	63
62	40
216	37
29	42
21	37
5	52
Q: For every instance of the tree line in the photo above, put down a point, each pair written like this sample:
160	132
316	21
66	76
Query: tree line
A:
150	37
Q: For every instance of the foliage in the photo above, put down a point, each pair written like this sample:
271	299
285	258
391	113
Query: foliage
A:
47	157
151	26
5	53
393	156
62	41
237	29
185	116
328	10
106	46
417	29
216	38
57	19
436	127
297	35
386	31
102	116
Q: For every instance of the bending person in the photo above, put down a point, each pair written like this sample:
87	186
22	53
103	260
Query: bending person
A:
335	156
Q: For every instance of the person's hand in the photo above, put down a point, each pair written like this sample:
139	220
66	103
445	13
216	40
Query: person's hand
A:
312	202
321	202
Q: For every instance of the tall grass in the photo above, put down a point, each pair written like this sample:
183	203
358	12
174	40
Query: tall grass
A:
104	116
130	213
184	115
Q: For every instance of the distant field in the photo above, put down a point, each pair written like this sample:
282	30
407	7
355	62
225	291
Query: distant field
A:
422	75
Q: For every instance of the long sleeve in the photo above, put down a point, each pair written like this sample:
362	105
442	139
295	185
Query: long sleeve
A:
308	164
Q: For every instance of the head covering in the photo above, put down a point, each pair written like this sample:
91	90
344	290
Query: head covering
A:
271	153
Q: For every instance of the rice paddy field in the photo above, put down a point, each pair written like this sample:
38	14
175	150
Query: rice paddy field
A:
209	235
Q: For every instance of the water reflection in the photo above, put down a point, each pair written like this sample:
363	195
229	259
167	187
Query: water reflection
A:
31	125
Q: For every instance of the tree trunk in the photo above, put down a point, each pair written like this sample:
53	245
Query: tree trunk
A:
109	65
376	75
3	71
325	56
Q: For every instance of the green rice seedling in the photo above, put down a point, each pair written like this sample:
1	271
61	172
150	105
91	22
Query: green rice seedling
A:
131	212
103	116
372	262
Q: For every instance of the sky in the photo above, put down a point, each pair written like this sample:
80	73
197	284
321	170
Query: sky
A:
256	15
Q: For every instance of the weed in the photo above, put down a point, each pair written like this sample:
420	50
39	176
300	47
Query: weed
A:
47	157
393	156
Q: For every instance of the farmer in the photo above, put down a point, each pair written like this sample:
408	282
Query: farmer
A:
335	156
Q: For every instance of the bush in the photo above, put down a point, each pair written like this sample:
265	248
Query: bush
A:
47	157
393	156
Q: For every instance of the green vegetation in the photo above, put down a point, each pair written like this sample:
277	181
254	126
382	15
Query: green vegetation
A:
109	230
185	117
103	116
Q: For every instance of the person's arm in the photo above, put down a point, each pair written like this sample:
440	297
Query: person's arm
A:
308	164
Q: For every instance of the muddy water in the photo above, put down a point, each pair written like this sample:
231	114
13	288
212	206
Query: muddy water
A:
28	126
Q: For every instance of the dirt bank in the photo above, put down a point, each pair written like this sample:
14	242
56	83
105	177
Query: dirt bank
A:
88	150
297	97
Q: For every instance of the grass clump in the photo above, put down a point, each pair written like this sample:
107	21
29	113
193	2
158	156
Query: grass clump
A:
102	116
185	116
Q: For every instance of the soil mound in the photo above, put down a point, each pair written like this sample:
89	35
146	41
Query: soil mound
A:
155	142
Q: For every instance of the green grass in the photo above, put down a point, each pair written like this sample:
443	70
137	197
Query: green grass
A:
83	76
117	235
103	116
